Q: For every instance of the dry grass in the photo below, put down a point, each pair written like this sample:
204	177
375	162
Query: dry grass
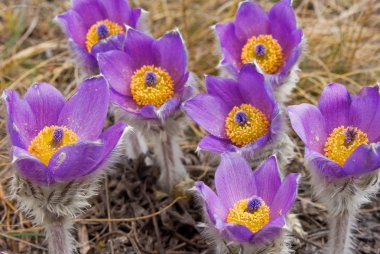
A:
343	46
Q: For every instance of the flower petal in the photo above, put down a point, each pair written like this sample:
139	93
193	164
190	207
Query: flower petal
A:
225	89
334	105
110	137
30	167
170	51
84	60
74	26
269	232
285	196
139	47
267	179
234	179
114	42
212	203
116	66
74	161
85	113
323	166
365	112
117	11
254	90
251	20
46	103
309	124
125	102
238	233
365	159
210	112
168	108
91	10
293	56
21	126
215	145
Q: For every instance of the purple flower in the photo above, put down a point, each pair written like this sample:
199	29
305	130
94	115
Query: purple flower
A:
95	26
270	40
148	77
56	141
248	206
341	135
240	116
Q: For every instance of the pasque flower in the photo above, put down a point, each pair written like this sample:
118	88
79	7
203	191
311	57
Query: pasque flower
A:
95	26
270	40
248	207
341	134
240	116
55	141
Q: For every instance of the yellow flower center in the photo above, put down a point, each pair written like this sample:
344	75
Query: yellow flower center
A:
265	50
49	140
342	142
253	217
151	85
246	124
102	30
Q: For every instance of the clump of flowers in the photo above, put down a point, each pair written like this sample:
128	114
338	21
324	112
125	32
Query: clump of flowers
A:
342	152
248	209
59	152
240	116
148	81
95	26
272	41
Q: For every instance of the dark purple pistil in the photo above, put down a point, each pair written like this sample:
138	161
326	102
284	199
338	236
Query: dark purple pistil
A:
150	78
260	49
253	205
241	117
350	135
57	136
102	31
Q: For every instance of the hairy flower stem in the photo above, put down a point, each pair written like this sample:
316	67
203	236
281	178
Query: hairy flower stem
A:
340	233
136	145
168	155
58	235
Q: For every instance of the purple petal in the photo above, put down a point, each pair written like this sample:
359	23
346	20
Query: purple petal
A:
85	113
168	108
170	52
234	179
251	148
139	47
74	27
231	46
285	196
238	233
269	232
283	22
210	112
365	112
135	17
215	145
117	11
117	68
251	20
74	161
125	102
85	60
46	103
21	125
91	11
254	91
213	205
323	166
334	105
30	167
148	111
225	89
309	124
363	160
294	54
110	137
267	180
114	42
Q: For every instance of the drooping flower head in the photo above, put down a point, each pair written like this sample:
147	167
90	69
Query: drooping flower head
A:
54	140
270	40
248	207
95	26
240	116
148	77
341	135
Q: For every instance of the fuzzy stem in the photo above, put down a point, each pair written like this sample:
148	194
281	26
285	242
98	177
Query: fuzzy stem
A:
168	157
340	233
136	145
58	235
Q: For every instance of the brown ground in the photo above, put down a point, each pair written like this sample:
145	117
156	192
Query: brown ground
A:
344	46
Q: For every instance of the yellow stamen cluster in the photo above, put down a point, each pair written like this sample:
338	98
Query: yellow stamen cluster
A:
43	146
257	125
271	61
253	221
157	94
93	37
342	142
